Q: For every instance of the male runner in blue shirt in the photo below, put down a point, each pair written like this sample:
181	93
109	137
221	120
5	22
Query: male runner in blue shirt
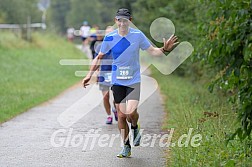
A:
125	43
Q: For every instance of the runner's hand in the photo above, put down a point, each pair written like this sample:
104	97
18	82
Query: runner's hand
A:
85	81
170	43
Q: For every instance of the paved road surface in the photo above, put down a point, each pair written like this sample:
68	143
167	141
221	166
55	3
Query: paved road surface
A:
48	135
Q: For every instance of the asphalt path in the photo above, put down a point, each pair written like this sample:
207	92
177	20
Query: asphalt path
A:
70	130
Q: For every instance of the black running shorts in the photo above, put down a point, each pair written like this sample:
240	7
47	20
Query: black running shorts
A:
123	93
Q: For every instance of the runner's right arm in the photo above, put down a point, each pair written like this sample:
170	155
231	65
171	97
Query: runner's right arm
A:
95	65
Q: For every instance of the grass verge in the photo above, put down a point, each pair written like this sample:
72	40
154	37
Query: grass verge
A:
190	105
30	73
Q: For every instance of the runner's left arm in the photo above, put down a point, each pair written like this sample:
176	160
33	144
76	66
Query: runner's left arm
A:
167	47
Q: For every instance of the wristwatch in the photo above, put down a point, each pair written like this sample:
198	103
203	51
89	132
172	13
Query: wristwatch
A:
163	50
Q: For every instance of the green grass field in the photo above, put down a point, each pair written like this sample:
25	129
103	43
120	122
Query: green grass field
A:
30	73
190	105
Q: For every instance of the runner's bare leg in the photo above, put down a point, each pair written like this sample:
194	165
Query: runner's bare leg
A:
106	102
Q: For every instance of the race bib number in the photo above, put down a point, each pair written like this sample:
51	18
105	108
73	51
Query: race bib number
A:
124	73
107	77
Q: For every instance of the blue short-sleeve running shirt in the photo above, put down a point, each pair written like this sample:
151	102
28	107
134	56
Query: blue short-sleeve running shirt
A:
104	77
125	54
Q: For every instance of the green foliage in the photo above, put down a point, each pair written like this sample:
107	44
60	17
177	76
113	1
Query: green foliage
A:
184	14
181	13
190	105
227	47
144	12
125	4
107	12
2	17
71	13
16	12
81	10
62	13
57	14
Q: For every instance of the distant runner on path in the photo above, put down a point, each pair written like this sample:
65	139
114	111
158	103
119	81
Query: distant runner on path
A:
104	76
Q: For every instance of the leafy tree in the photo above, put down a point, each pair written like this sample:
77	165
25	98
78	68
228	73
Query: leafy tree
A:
84	10
185	16
107	11
227	47
57	14
144	12
16	12
2	17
